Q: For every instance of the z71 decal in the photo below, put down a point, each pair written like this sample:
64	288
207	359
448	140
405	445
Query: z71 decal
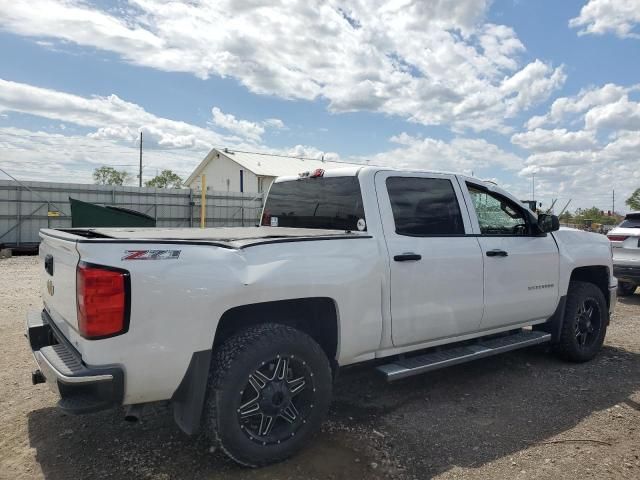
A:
151	254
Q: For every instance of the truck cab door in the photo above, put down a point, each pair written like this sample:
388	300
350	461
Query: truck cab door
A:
435	263
521	265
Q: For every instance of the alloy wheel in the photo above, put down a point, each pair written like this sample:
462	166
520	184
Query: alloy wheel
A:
276	400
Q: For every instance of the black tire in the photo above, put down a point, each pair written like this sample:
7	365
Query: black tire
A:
582	334
238	370
626	288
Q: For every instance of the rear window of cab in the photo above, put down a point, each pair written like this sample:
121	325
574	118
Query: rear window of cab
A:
333	203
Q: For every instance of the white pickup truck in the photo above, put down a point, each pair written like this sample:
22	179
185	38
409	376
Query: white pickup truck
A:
244	329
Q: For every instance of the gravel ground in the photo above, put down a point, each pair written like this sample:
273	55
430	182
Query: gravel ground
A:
520	415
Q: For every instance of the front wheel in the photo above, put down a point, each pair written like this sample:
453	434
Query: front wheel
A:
626	288
585	322
269	390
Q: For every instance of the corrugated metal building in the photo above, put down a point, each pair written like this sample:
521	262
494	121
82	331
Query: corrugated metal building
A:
26	207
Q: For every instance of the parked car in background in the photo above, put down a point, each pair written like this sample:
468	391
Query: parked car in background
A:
625	240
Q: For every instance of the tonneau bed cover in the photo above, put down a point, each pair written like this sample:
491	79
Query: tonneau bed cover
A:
229	237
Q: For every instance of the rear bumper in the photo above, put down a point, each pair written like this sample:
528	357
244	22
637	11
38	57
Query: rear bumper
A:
82	388
627	273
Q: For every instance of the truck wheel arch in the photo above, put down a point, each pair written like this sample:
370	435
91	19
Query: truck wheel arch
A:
596	274
315	316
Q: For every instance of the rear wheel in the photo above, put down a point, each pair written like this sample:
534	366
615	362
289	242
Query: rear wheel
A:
585	322
626	288
269	390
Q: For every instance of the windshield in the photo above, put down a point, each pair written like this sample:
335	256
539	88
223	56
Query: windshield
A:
330	203
631	221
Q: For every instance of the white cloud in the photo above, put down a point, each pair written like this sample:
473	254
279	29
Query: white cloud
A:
559	139
435	63
621	115
586	164
244	128
274	123
40	155
560	158
113	117
307	151
115	126
251	131
566	108
620	17
531	85
459	155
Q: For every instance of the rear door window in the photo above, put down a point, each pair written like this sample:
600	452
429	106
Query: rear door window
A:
424	206
333	203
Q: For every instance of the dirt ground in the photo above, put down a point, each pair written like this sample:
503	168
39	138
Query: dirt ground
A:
520	415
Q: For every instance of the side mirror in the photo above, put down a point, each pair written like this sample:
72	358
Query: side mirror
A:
548	223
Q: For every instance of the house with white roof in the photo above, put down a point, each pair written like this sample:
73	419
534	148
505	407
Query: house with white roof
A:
232	171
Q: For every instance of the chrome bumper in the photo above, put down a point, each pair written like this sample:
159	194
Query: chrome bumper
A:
82	389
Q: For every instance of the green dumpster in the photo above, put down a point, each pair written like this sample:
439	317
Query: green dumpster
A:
84	214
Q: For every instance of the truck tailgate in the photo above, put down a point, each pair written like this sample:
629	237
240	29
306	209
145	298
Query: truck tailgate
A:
58	262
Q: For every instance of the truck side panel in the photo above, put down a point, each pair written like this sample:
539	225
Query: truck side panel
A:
176	303
582	249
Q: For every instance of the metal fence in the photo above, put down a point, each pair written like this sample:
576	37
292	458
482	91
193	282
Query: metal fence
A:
26	207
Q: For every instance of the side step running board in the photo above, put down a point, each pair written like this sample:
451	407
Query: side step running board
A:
406	367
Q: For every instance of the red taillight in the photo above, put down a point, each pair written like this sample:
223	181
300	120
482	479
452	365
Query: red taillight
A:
103	303
617	238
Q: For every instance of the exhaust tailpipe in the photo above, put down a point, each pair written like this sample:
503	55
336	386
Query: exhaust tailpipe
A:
133	413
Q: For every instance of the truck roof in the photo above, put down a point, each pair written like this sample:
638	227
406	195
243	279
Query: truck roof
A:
351	170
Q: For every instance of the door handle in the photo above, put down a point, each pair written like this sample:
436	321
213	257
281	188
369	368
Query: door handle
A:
497	253
406	257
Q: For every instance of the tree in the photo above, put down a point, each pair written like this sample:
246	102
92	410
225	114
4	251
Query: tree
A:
166	179
634	200
110	176
595	215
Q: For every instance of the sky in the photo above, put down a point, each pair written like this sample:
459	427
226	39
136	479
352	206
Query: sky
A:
537	95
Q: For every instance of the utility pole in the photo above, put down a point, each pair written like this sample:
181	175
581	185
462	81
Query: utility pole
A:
565	207
140	172
533	187
613	202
